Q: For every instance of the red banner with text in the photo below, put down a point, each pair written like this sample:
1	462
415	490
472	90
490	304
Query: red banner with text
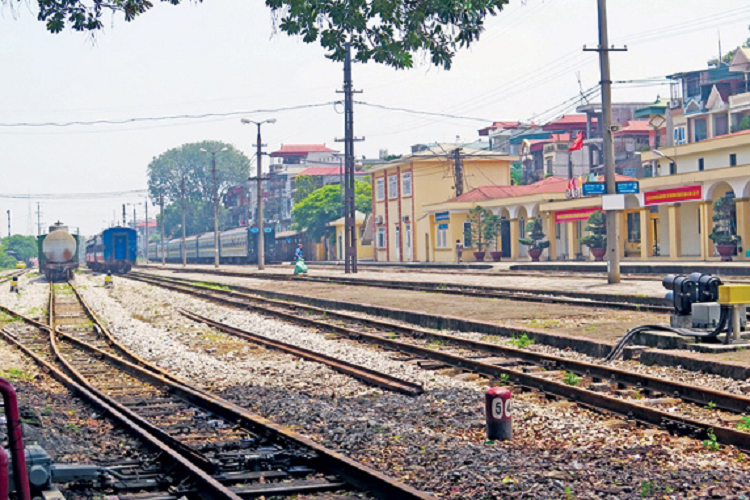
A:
574	215
673	195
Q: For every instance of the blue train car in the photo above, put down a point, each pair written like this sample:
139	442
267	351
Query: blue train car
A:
114	250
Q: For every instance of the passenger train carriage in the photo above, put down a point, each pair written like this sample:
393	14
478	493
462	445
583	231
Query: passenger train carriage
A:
236	246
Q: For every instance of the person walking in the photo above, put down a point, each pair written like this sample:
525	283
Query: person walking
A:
459	251
298	253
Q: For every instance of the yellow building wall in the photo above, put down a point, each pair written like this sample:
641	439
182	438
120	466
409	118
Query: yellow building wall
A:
431	184
364	252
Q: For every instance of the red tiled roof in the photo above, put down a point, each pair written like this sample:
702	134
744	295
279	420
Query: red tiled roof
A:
545	186
498	125
635	127
538	144
568	121
324	171
302	149
151	223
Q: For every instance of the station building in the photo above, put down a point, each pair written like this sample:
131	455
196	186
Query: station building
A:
401	189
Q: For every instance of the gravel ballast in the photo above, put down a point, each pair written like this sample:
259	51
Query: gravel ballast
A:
435	441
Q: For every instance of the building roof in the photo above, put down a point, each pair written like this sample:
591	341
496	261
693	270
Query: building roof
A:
325	171
441	152
545	186
538	144
302	149
576	121
498	125
635	127
358	216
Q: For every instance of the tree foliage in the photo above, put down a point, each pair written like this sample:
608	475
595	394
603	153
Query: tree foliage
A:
483	224
16	248
166	171
324	205
535	235
597	226
724	217
304	186
384	31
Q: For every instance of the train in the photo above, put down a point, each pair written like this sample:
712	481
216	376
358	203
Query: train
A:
58	253
113	250
236	246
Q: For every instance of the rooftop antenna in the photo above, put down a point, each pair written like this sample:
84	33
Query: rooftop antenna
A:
718	35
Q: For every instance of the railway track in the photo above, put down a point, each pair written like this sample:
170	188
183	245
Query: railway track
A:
583	299
221	450
678	407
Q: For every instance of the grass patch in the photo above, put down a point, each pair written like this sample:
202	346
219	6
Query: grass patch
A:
571	378
16	374
213	286
711	443
744	424
521	341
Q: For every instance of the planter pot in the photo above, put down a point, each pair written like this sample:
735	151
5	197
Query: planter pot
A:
726	251
496	256
535	253
479	256
598	254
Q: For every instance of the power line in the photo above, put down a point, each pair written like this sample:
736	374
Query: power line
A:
79	196
164	118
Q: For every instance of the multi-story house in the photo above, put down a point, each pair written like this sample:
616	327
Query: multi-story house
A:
402	229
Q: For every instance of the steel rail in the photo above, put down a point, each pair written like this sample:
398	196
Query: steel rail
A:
359	476
216	488
642	413
356	371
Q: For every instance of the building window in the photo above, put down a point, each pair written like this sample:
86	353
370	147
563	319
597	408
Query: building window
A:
467	234
679	136
672	168
380	189
406	184
381	237
733	160
442	236
701	165
392	186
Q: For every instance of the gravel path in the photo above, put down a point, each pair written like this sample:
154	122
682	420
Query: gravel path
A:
435	441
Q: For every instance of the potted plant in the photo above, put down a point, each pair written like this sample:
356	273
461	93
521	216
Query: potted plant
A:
491	232
597	240
478	219
723	233
535	239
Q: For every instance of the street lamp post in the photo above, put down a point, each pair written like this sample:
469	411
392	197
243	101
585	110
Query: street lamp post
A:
659	153
259	210
216	203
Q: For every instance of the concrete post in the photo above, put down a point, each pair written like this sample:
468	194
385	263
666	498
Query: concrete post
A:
647	240
551	230
514	239
675	231
572	240
706	225
743	225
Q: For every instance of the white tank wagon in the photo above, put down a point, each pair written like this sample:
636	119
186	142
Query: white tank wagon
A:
58	253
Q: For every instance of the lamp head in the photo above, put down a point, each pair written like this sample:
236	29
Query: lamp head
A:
271	120
245	121
203	150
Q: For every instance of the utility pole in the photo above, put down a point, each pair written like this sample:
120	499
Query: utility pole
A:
350	223
38	219
124	222
216	203
161	211
184	229
145	232
608	150
259	222
458	172
8	223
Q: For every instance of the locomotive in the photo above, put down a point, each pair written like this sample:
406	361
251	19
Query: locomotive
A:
58	253
113	250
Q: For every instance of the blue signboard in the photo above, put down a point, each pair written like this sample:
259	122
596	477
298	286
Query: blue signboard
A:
628	187
443	216
266	229
594	188
442	226
254	230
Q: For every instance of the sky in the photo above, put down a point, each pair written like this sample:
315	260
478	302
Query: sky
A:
226	57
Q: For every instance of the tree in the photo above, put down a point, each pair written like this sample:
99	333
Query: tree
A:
304	186
745	123
725	215
324	205
21	247
165	172
492	229
535	234
479	218
597	226
387	32
6	261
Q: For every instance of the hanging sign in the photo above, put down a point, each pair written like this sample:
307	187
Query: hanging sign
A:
628	187
443	216
575	215
266	229
594	188
442	226
254	230
673	195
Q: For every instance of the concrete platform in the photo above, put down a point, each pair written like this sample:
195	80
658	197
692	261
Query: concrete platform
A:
719	348
667	267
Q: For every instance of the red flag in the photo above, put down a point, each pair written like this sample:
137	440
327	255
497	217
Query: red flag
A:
578	143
